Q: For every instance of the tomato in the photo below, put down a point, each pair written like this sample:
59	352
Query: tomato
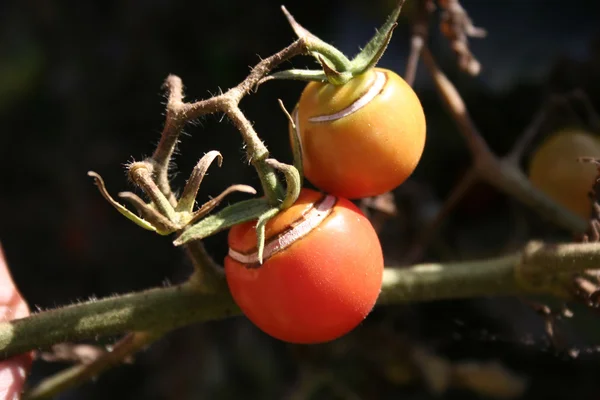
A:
363	138
554	169
321	274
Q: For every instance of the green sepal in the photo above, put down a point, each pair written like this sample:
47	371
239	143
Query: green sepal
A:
333	76
260	231
119	207
297	147
295	140
234	214
372	52
305	75
292	180
316	46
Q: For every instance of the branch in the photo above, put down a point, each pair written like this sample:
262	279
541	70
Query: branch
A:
155	309
537	269
83	372
179	112
420	33
501	173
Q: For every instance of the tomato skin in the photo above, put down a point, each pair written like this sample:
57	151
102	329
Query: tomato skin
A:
320	287
554	169
370	151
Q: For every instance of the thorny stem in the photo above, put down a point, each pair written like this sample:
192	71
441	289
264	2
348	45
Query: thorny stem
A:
167	308
81	373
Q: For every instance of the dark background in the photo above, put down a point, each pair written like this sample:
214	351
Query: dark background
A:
80	90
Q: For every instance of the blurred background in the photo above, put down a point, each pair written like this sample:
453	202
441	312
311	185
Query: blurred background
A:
80	89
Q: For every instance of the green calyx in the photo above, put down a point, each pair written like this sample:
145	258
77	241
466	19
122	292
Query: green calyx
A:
254	209
336	68
165	217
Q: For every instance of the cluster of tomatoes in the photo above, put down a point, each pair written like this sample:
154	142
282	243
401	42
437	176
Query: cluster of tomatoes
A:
322	263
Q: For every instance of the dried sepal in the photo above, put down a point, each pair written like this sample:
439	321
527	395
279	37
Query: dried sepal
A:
457	27
188	197
119	207
141	173
212	203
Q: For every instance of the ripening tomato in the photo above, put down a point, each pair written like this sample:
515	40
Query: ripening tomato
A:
554	169
321	274
363	138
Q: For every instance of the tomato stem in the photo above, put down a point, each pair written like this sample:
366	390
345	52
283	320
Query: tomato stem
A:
317	47
257	154
336	68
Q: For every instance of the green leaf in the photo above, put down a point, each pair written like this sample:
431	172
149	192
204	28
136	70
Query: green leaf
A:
372	52
234	214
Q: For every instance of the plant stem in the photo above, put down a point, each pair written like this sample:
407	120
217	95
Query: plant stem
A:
155	309
257	154
208	276
537	269
500	173
437	281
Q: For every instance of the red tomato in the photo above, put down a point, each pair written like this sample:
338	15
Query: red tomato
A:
363	138
321	274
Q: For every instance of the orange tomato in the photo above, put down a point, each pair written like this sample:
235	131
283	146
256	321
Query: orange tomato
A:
321	274
363	138
554	169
